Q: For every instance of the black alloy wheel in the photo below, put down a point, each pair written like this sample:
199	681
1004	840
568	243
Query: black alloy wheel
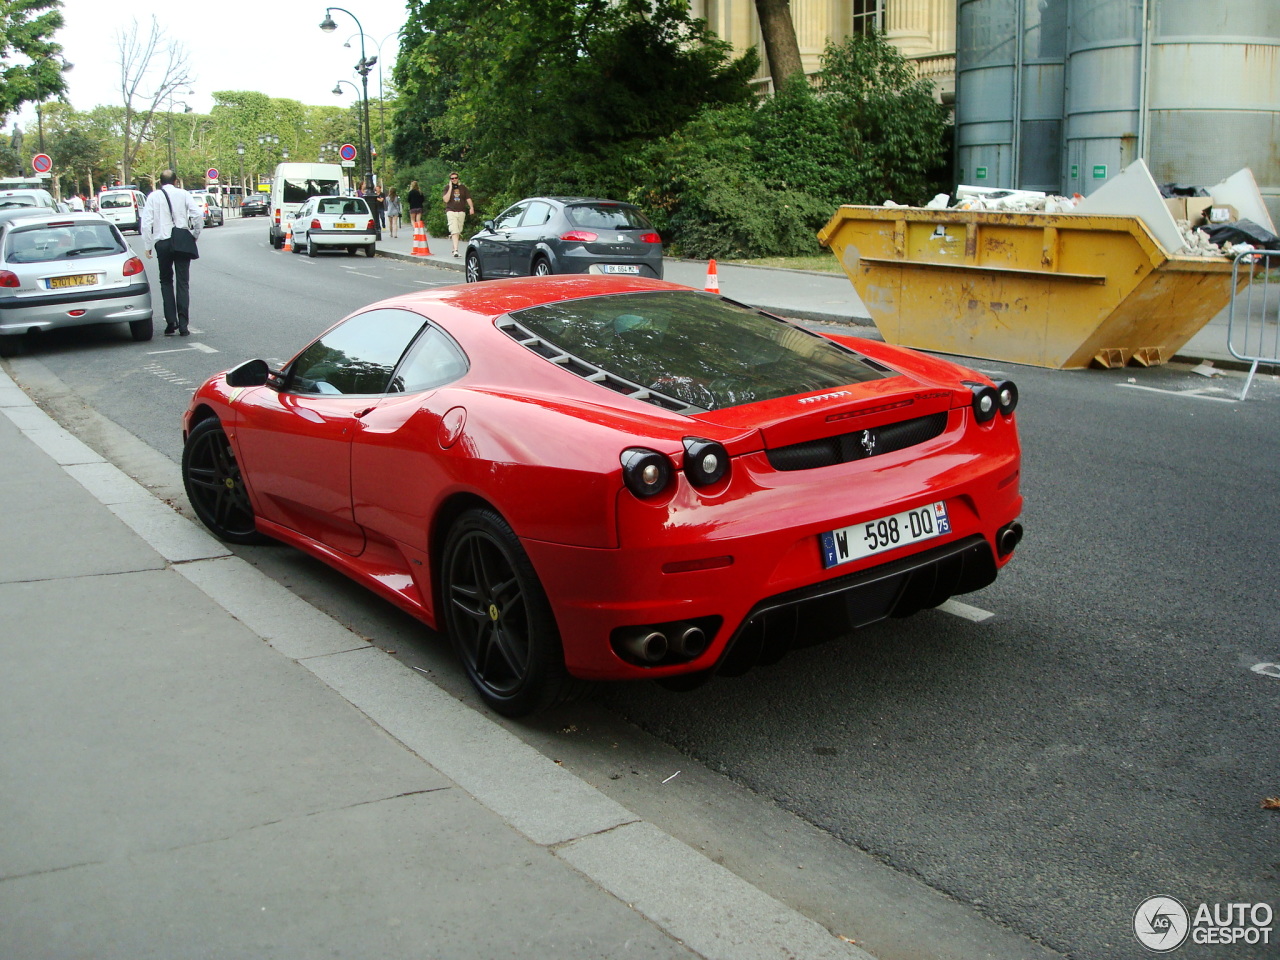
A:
214	484
541	268
499	619
474	273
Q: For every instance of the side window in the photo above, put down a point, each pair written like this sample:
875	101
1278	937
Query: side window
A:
510	217
537	214
355	357
432	361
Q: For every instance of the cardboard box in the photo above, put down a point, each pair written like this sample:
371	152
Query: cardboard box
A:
1221	213
1191	209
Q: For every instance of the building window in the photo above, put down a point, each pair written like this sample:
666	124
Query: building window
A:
868	16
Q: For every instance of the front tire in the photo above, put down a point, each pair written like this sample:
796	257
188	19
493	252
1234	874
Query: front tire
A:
474	273
215	486
499	619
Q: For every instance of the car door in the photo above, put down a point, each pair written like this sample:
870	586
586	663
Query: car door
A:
525	237
402	457
298	223
495	245
295	442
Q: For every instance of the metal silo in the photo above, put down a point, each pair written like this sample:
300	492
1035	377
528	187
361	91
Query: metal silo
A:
1010	57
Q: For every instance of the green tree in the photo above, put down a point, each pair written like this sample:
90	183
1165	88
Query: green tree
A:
533	95
26	29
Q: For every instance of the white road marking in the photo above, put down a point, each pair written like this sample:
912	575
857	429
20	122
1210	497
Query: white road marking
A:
1192	394
357	273
1267	669
199	347
964	611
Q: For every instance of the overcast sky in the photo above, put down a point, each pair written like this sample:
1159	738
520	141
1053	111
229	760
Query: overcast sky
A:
273	46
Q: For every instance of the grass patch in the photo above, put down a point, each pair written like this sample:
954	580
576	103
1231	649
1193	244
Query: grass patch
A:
824	263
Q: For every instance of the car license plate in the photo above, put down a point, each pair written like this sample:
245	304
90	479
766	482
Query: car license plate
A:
80	280
345	226
621	268
876	536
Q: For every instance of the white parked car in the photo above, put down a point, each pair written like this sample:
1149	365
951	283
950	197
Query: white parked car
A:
123	207
67	270
334	223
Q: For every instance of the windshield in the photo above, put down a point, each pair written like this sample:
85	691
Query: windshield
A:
66	241
299	191
701	349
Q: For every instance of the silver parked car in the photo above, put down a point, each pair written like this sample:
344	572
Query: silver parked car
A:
544	235
67	270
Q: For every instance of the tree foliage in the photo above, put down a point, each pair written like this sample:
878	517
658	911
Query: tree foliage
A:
26	29
540	95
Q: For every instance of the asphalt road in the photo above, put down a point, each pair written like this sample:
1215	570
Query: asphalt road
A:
1102	737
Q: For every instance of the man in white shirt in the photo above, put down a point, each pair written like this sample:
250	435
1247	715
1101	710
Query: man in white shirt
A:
166	207
77	205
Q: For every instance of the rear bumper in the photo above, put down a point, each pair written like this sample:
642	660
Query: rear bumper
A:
18	315
341	238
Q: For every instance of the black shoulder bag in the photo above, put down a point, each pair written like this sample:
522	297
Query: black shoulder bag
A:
181	242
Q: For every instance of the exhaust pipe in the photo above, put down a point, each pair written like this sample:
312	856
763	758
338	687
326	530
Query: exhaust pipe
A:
1008	538
648	645
690	642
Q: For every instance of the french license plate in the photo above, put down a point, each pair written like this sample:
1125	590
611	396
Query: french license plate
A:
345	226
81	280
876	536
621	268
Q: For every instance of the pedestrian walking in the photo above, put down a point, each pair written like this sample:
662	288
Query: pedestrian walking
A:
167	208
370	194
414	201
393	212
457	204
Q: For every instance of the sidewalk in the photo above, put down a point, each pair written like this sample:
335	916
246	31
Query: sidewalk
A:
802	295
174	786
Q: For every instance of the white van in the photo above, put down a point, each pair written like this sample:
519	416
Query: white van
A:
123	207
294	185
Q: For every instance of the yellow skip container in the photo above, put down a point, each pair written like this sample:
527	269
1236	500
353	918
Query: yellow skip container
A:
1051	290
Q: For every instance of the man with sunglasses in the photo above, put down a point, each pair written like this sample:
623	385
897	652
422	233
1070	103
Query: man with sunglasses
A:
457	204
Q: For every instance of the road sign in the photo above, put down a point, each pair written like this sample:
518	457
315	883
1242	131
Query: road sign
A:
347	152
211	173
41	163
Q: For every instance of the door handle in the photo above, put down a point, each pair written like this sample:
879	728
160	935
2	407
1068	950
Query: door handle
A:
366	410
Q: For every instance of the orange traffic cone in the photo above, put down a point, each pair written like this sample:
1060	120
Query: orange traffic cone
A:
420	247
713	281
288	239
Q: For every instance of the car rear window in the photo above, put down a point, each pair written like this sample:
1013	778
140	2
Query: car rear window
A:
703	350
111	200
606	216
346	207
66	241
15	203
300	191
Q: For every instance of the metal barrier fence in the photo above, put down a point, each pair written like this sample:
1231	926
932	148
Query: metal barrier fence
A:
1253	327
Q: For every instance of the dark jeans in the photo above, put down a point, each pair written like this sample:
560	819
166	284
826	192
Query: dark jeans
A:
177	308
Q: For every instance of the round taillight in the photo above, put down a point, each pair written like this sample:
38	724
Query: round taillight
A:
985	402
1007	391
9	279
133	266
579	236
705	461
645	472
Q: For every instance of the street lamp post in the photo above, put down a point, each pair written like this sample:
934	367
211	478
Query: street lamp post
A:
382	115
186	108
337	92
363	67
240	160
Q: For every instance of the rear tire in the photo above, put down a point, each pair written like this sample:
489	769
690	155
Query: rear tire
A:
499	618
13	345
541	268
371	250
311	247
141	330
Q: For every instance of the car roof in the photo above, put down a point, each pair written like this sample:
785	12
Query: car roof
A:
574	200
25	219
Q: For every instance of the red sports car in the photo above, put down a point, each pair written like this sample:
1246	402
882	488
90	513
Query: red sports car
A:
604	478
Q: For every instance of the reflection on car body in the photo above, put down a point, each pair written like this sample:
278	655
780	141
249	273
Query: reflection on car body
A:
608	478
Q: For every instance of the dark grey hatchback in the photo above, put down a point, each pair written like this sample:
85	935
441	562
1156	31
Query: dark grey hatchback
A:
544	235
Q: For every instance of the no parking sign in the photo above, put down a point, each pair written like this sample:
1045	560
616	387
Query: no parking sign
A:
41	163
211	174
347	152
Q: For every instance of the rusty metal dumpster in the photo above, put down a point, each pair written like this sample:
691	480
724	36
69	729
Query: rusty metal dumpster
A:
1051	290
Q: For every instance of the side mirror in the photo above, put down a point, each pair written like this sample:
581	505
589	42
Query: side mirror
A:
488	225
251	373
